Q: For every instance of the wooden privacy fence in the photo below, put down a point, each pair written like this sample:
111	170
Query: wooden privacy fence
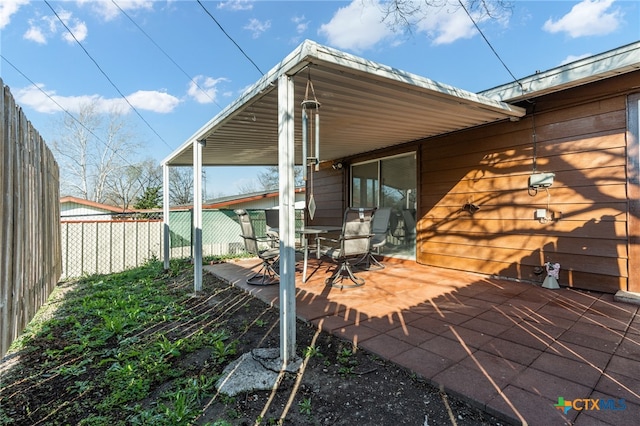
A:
30	251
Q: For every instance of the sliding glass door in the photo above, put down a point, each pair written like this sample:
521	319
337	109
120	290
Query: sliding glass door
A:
390	182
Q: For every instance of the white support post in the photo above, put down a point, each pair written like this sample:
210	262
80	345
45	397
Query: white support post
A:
197	215
165	216
286	126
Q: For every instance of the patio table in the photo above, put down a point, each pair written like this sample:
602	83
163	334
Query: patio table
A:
308	231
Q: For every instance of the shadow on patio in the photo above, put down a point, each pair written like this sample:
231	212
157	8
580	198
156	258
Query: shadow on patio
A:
512	349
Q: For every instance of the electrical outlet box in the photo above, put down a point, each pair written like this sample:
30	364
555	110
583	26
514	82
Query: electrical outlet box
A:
541	180
541	214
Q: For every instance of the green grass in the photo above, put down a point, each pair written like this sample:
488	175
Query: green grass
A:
107	339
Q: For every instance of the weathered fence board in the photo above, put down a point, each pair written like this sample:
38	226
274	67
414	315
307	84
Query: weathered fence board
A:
30	252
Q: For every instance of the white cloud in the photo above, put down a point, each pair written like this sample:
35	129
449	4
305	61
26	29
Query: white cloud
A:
109	11
301	23
79	30
204	89
257	27
445	26
9	8
573	58
47	101
357	26
152	100
41	30
589	17
236	5
34	33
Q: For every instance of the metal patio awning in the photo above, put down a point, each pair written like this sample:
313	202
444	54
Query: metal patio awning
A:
365	106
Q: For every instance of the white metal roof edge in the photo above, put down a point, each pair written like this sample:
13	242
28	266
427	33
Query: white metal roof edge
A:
337	57
613	62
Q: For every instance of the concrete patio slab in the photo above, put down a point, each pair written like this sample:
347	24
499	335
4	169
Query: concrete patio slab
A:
510	348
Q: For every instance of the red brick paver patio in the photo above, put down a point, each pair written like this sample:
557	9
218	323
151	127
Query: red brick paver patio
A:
509	348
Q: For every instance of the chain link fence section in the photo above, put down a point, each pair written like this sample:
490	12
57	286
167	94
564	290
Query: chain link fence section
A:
125	241
106	246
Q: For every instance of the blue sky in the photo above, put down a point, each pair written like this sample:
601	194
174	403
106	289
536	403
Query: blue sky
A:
178	69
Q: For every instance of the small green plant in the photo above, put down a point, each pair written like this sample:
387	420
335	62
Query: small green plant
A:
181	408
345	371
305	406
221	351
344	356
71	370
4	417
311	351
169	348
80	386
227	400
261	323
346	361
234	414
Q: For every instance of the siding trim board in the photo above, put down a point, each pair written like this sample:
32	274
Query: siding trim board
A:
633	190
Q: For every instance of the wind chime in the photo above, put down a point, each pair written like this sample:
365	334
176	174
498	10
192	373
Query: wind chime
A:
310	140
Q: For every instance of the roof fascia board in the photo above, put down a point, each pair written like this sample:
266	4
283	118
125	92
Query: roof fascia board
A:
94	204
614	62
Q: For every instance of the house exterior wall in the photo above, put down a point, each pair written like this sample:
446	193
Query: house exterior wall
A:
592	230
329	189
580	136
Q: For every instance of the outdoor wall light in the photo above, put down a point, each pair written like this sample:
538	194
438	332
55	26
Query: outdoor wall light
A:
471	208
337	166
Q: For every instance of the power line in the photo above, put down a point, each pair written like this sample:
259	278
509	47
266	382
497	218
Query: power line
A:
229	37
166	54
106	76
489	43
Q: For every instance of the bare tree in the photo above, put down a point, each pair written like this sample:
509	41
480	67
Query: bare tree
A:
92	149
128	186
405	15
270	178
180	185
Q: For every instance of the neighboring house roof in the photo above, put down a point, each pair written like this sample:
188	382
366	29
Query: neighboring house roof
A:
229	201
92	204
614	62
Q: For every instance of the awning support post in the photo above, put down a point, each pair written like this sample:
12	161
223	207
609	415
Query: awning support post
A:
165	217
286	164
197	215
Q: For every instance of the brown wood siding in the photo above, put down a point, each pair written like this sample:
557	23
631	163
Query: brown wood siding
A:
580	136
329	195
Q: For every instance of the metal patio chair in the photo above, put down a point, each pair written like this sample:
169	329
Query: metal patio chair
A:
354	243
268	273
272	219
379	229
